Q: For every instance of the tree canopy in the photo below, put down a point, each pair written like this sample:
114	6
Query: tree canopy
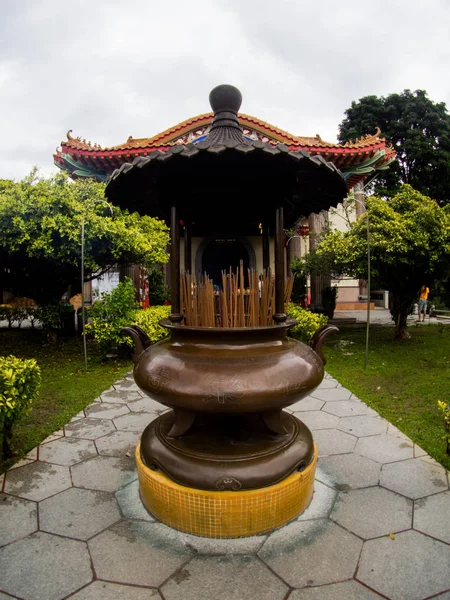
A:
419	131
409	245
40	235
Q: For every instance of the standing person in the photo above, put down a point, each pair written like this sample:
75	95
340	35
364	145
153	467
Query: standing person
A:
423	300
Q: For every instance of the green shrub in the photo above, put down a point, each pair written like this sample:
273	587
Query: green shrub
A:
7	314
157	290
444	408
329	295
31	315
299	288
19	386
49	316
20	313
107	316
148	321
308	322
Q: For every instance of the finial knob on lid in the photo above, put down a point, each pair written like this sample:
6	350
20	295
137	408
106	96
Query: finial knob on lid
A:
225	101
225	98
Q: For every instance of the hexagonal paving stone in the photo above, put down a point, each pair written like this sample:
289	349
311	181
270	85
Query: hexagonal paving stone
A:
312	553
138	553
128	385
363	425
412	566
120	397
328	382
105	473
131	504
218	547
418	451
79	415
372	512
67	451
432	516
18	518
317	419
384	448
392	430
102	590
332	395
147	405
224	578
89	429
133	421
350	471
347	590
307	403
106	410
21	463
333	441
54	436
78	513
345	408
414	478
37	481
118	443
321	503
44	567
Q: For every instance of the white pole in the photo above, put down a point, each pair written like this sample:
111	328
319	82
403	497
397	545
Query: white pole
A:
364	205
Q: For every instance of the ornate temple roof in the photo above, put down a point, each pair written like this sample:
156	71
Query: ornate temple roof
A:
356	160
227	179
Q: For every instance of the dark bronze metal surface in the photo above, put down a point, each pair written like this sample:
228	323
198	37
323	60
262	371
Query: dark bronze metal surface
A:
188	248
227	389
225	453
228	371
280	268
266	247
175	315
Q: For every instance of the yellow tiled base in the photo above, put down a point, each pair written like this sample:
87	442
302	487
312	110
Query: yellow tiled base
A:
225	514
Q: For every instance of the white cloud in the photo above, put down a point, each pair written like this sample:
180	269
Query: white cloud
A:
108	70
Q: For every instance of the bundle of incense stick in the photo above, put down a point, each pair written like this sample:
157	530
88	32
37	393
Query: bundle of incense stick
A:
206	305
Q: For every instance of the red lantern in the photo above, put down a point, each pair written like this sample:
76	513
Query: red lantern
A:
303	230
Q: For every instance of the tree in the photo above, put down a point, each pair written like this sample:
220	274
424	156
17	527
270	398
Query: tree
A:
419	131
409	245
40	233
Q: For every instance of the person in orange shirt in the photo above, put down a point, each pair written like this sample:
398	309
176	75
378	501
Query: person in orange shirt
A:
423	300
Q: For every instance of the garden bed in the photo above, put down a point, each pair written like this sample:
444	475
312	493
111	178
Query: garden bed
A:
404	380
66	387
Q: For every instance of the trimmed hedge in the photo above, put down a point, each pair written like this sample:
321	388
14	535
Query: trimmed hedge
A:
148	320
19	386
308	322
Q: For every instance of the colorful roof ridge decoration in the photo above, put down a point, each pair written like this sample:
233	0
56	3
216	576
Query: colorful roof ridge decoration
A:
357	160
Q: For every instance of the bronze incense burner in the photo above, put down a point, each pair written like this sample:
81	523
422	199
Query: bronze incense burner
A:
227	385
227	388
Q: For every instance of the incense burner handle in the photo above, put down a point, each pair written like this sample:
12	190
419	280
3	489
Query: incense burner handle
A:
140	339
318	339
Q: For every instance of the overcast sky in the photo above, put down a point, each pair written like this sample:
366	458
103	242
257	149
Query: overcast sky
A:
108	69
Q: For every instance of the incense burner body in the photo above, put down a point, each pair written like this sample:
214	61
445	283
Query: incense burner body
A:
228	371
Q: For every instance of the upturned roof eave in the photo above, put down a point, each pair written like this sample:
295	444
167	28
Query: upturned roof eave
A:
275	135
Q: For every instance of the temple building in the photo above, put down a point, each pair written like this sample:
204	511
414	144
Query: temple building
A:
212	251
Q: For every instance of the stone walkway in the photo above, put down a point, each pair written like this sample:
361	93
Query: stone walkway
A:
72	525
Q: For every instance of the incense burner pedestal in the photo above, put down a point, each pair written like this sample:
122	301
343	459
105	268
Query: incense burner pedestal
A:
227	431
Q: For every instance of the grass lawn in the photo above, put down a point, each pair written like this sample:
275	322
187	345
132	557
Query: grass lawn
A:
403	381
66	387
